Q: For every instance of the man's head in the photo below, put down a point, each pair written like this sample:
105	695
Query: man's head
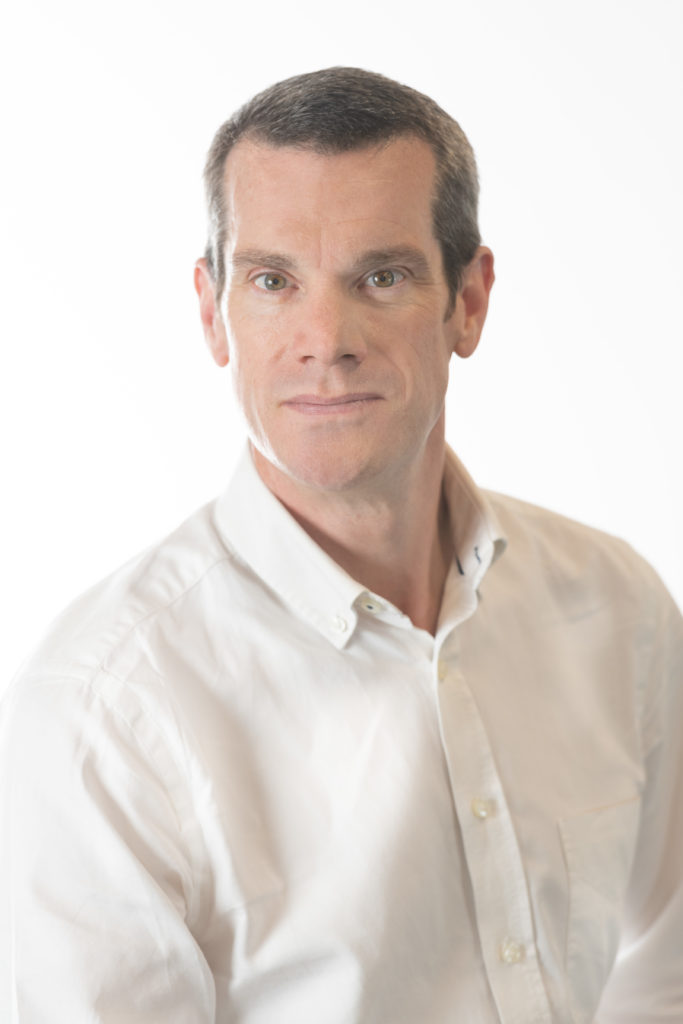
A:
341	109
331	286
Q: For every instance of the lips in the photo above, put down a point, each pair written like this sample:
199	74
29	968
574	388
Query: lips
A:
325	404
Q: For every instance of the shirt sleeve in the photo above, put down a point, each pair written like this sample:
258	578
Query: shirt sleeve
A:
646	985
96	866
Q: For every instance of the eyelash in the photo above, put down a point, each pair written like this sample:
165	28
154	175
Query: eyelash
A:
399	276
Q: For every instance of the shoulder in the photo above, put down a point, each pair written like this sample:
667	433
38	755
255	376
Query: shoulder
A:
574	562
586	595
92	632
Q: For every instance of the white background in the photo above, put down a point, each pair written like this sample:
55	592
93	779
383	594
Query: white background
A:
116	424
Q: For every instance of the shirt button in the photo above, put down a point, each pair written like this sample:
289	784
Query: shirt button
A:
371	605
511	952
482	808
340	624
442	670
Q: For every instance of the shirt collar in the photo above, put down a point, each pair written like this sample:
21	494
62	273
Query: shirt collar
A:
478	540
261	532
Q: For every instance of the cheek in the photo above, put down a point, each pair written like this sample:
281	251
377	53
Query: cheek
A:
427	355
244	367
256	339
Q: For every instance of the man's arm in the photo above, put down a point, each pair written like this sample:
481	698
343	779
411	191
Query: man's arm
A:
96	863
646	985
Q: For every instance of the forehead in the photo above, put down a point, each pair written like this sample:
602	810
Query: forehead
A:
383	191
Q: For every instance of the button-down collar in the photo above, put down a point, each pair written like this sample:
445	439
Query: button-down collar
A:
280	551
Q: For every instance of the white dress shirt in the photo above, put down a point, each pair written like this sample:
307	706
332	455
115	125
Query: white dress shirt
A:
235	786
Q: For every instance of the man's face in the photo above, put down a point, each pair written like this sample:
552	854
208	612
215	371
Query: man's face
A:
333	315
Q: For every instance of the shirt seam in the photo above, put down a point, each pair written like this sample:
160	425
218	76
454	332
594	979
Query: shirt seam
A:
102	664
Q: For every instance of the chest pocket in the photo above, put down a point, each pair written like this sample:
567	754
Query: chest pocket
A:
598	849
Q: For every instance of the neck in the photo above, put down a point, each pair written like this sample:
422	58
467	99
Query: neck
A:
395	540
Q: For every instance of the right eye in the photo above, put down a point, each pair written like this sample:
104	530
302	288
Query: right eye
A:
271	282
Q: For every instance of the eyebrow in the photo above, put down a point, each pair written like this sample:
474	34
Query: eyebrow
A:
414	257
243	259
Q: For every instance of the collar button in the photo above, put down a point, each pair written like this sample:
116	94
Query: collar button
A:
371	604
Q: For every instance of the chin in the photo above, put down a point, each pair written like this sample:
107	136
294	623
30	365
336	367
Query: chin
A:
329	468
329	476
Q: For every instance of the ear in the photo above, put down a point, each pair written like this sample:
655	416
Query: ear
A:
472	302
212	321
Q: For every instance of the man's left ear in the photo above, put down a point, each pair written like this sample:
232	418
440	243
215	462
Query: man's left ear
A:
472	302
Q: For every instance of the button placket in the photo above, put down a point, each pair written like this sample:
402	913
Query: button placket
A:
447	659
491	851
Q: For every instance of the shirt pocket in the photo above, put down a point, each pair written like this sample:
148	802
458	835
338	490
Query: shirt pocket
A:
598	849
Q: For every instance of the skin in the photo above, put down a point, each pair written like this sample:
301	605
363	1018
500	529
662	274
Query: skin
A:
334	322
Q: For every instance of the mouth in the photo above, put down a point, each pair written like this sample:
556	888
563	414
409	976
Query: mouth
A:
317	405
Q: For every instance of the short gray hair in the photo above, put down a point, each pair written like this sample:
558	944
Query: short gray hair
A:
340	109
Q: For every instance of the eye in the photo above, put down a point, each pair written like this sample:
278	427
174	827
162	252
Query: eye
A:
271	282
384	278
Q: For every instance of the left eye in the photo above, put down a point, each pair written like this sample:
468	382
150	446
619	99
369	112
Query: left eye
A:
384	278
271	282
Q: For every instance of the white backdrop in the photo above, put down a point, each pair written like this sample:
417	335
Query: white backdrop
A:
116	424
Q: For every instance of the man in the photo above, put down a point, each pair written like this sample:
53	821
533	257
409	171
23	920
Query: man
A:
358	742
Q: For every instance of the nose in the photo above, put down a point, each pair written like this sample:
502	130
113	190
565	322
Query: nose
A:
330	330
